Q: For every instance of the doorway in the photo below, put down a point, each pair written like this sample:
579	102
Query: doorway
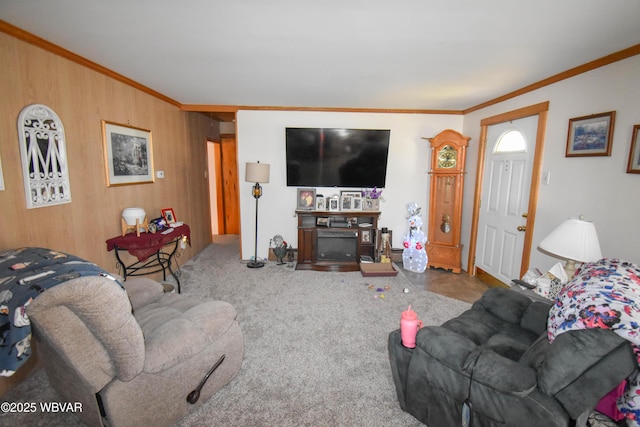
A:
507	185
223	185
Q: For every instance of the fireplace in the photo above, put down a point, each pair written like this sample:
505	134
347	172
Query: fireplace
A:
336	245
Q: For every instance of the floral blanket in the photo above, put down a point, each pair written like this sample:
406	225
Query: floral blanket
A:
604	294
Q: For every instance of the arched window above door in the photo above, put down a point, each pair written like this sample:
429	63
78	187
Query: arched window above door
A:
512	141
44	157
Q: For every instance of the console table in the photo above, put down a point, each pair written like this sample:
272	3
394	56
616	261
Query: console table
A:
154	251
335	241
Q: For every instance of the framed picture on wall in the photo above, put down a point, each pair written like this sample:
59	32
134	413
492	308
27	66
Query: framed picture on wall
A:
306	198
128	154
591	135
634	153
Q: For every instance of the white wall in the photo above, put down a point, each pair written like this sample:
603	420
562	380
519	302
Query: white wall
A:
261	137
597	187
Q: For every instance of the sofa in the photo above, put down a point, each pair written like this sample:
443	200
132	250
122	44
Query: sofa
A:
499	358
132	354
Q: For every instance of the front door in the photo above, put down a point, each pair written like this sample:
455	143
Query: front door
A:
502	222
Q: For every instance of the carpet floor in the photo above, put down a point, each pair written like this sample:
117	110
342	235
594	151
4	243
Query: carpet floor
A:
315	345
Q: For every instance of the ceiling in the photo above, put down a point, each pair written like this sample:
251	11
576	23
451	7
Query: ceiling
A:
360	54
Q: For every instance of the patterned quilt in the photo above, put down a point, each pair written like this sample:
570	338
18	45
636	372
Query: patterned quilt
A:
24	274
604	294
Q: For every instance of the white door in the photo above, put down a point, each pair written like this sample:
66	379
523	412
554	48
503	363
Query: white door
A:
505	196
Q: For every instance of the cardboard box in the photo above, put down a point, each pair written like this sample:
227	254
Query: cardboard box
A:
377	269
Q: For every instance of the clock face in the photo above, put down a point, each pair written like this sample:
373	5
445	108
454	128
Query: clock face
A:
447	157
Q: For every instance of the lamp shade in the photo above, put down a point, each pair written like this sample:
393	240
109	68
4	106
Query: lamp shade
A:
257	172
574	239
130	215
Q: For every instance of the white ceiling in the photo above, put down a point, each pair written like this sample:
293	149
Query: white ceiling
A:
404	54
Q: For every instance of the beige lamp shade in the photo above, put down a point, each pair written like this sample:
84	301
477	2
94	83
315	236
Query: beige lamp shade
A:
574	239
257	172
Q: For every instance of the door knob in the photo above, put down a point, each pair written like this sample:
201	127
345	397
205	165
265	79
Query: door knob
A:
522	228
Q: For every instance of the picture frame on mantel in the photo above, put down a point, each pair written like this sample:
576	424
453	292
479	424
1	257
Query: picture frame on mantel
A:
591	135
633	165
306	199
350	201
128	154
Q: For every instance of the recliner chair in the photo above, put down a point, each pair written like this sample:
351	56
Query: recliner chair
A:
497	356
133	357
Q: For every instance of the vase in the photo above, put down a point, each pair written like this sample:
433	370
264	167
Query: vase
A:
371	204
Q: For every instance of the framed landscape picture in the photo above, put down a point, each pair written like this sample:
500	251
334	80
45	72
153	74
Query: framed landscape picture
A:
590	135
128	154
634	153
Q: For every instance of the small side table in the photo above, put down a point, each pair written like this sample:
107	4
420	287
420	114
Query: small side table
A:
534	296
155	252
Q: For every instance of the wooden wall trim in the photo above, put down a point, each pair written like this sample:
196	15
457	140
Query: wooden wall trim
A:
27	37
477	195
530	110
600	62
209	108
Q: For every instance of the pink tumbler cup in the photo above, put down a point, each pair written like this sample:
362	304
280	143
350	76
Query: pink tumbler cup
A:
409	325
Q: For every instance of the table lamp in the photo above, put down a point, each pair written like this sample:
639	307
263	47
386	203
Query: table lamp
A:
258	173
574	240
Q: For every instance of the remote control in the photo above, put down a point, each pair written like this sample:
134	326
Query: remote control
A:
523	283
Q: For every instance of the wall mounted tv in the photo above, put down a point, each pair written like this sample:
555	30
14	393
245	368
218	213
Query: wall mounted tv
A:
328	157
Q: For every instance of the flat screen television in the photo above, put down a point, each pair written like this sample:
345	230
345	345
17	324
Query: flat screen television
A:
330	157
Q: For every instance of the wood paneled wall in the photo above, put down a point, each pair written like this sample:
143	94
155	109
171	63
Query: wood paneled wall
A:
82	98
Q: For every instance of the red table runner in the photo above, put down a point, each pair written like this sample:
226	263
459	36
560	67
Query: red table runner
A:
148	243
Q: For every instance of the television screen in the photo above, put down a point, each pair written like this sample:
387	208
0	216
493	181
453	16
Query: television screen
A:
326	157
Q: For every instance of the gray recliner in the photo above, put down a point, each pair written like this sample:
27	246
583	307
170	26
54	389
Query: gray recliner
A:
497	355
132	357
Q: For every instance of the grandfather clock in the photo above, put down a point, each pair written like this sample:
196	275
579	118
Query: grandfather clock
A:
448	151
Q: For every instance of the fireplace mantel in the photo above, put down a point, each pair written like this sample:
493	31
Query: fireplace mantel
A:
335	241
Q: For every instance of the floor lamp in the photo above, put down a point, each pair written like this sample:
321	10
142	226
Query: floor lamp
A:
256	172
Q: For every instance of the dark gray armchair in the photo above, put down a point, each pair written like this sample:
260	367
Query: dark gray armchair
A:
497	355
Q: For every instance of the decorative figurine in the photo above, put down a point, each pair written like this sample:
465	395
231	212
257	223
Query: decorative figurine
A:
414	255
280	248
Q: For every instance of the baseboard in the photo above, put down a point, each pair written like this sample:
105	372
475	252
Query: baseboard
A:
489	280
